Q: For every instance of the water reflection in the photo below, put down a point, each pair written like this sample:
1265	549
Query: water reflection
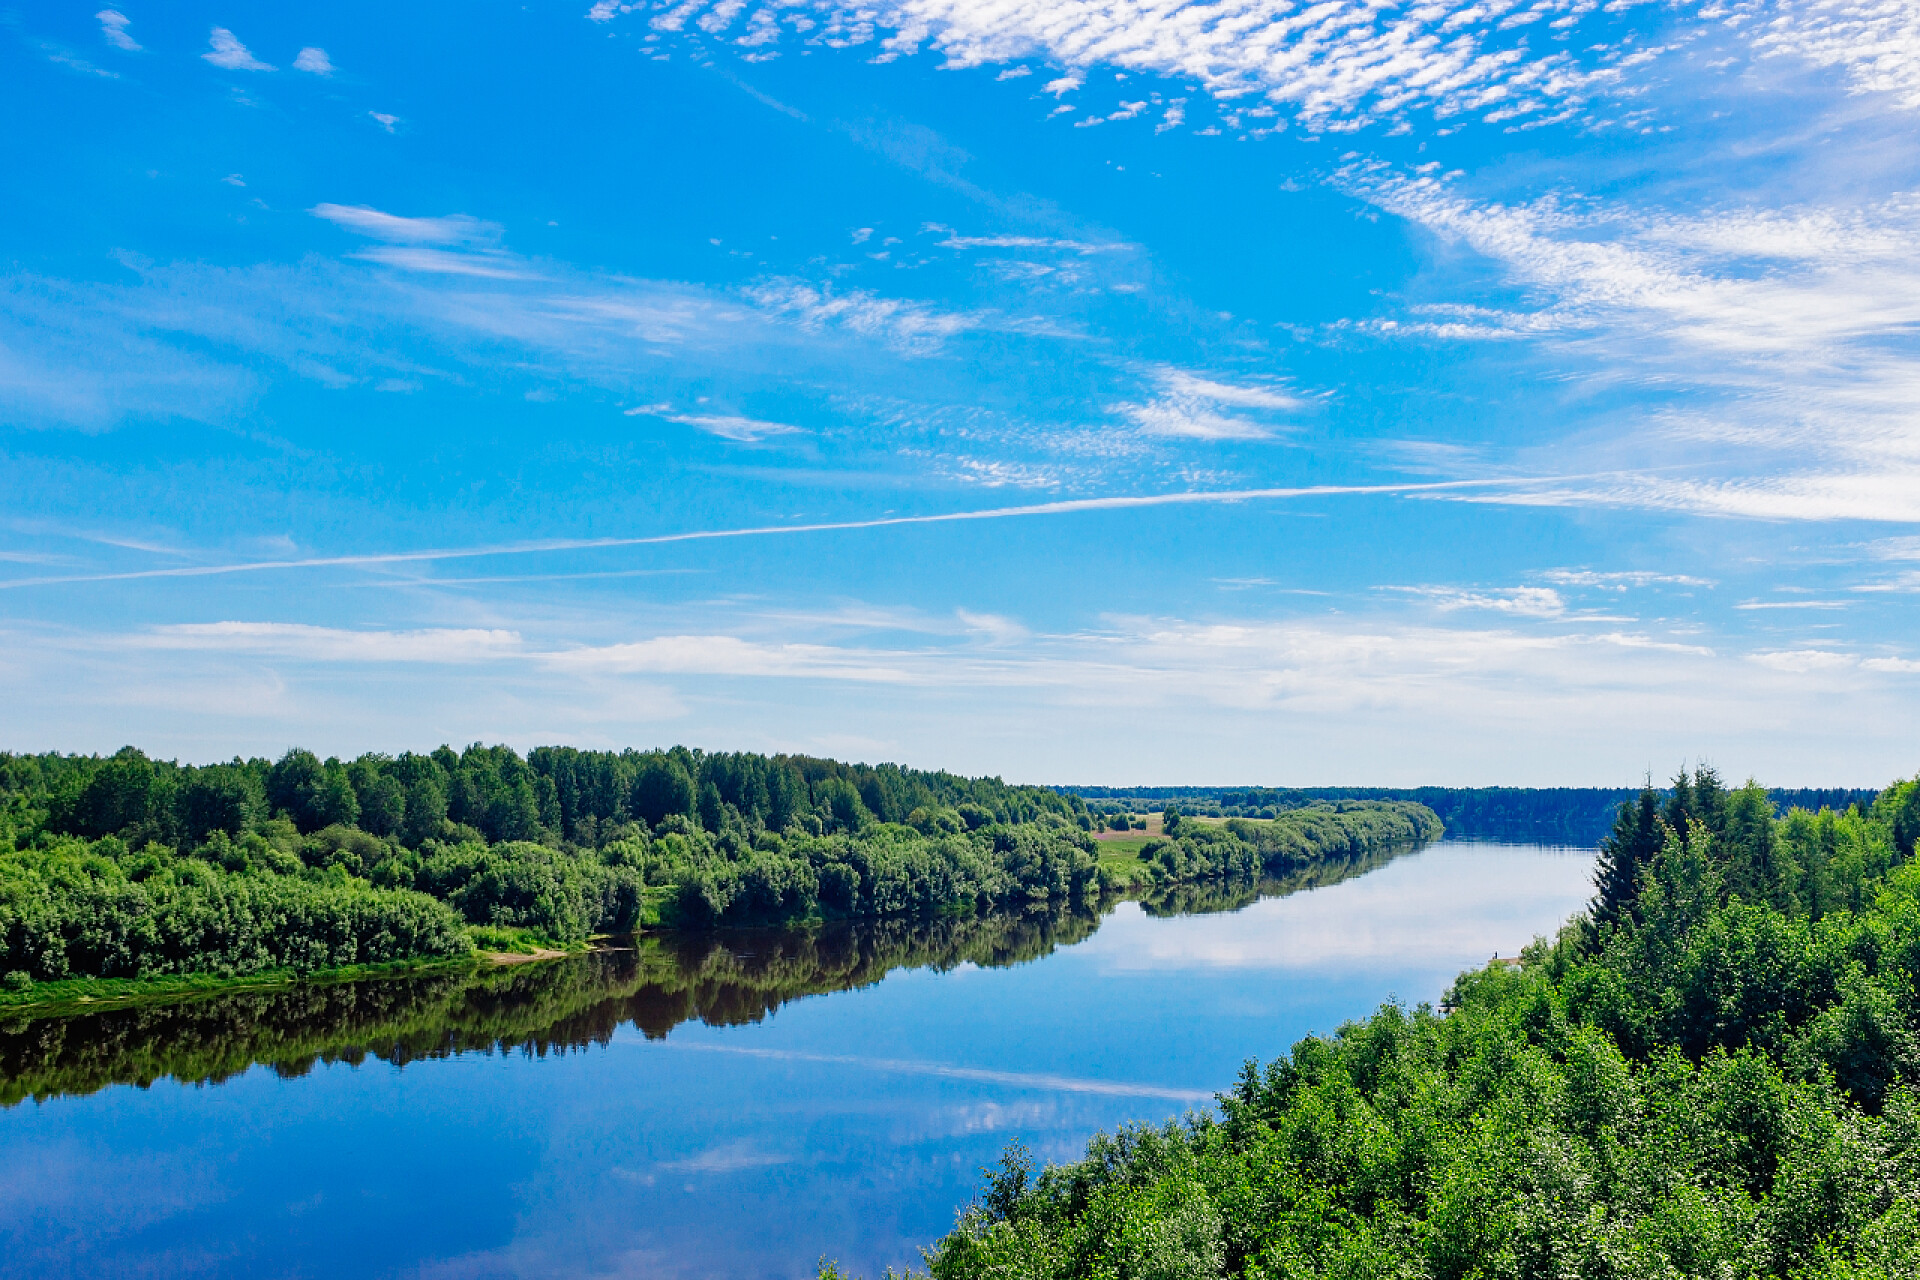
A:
655	983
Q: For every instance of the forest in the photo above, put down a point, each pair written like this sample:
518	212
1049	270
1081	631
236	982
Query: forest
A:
1711	1072
1579	817
129	869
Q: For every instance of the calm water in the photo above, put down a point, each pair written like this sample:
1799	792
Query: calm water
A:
731	1107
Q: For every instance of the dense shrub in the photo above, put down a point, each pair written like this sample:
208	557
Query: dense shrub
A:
98	911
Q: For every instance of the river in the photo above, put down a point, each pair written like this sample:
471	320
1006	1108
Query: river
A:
737	1106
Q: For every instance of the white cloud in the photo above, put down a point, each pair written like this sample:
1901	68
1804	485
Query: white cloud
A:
430	261
456	228
992	627
1189	406
113	25
334	644
1800	661
384	120
1620	580
1752	605
727	655
732	426
1525	602
957	241
1790	328
908	326
228	53
1337	64
1178	382
1876	41
454	244
313	60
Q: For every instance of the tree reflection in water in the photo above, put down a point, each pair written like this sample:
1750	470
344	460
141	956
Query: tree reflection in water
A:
655	982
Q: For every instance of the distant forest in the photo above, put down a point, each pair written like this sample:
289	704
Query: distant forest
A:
130	868
1577	816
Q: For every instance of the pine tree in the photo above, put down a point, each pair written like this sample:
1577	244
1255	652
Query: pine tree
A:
1638	833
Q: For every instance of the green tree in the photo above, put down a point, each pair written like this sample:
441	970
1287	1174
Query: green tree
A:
662	786
841	805
118	796
1637	836
712	809
225	798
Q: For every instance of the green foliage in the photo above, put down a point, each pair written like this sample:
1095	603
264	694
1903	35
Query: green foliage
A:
1713	1074
558	846
99	910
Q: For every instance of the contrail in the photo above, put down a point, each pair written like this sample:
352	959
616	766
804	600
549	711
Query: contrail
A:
758	531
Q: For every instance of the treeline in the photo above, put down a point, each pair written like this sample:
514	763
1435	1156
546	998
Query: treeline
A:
131	868
555	795
1712	1072
1579	817
1240	850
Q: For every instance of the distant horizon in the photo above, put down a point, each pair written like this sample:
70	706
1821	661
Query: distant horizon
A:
1659	782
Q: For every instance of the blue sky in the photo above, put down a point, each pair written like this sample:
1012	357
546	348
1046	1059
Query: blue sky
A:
1484	391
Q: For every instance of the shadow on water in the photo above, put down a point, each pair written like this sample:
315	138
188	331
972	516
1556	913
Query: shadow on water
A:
658	982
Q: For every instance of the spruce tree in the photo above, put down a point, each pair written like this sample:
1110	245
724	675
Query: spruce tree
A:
1637	836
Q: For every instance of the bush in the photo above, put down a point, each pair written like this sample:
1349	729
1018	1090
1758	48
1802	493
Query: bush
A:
81	910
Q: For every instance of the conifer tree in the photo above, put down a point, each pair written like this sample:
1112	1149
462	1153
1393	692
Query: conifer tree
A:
1638	834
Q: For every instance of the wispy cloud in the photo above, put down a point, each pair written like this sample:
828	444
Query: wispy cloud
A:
732	426
449	229
1190	406
313	60
1791	329
1877	43
908	326
1344	64
1622	579
113	26
229	54
1525	602
957	241
334	644
726	655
